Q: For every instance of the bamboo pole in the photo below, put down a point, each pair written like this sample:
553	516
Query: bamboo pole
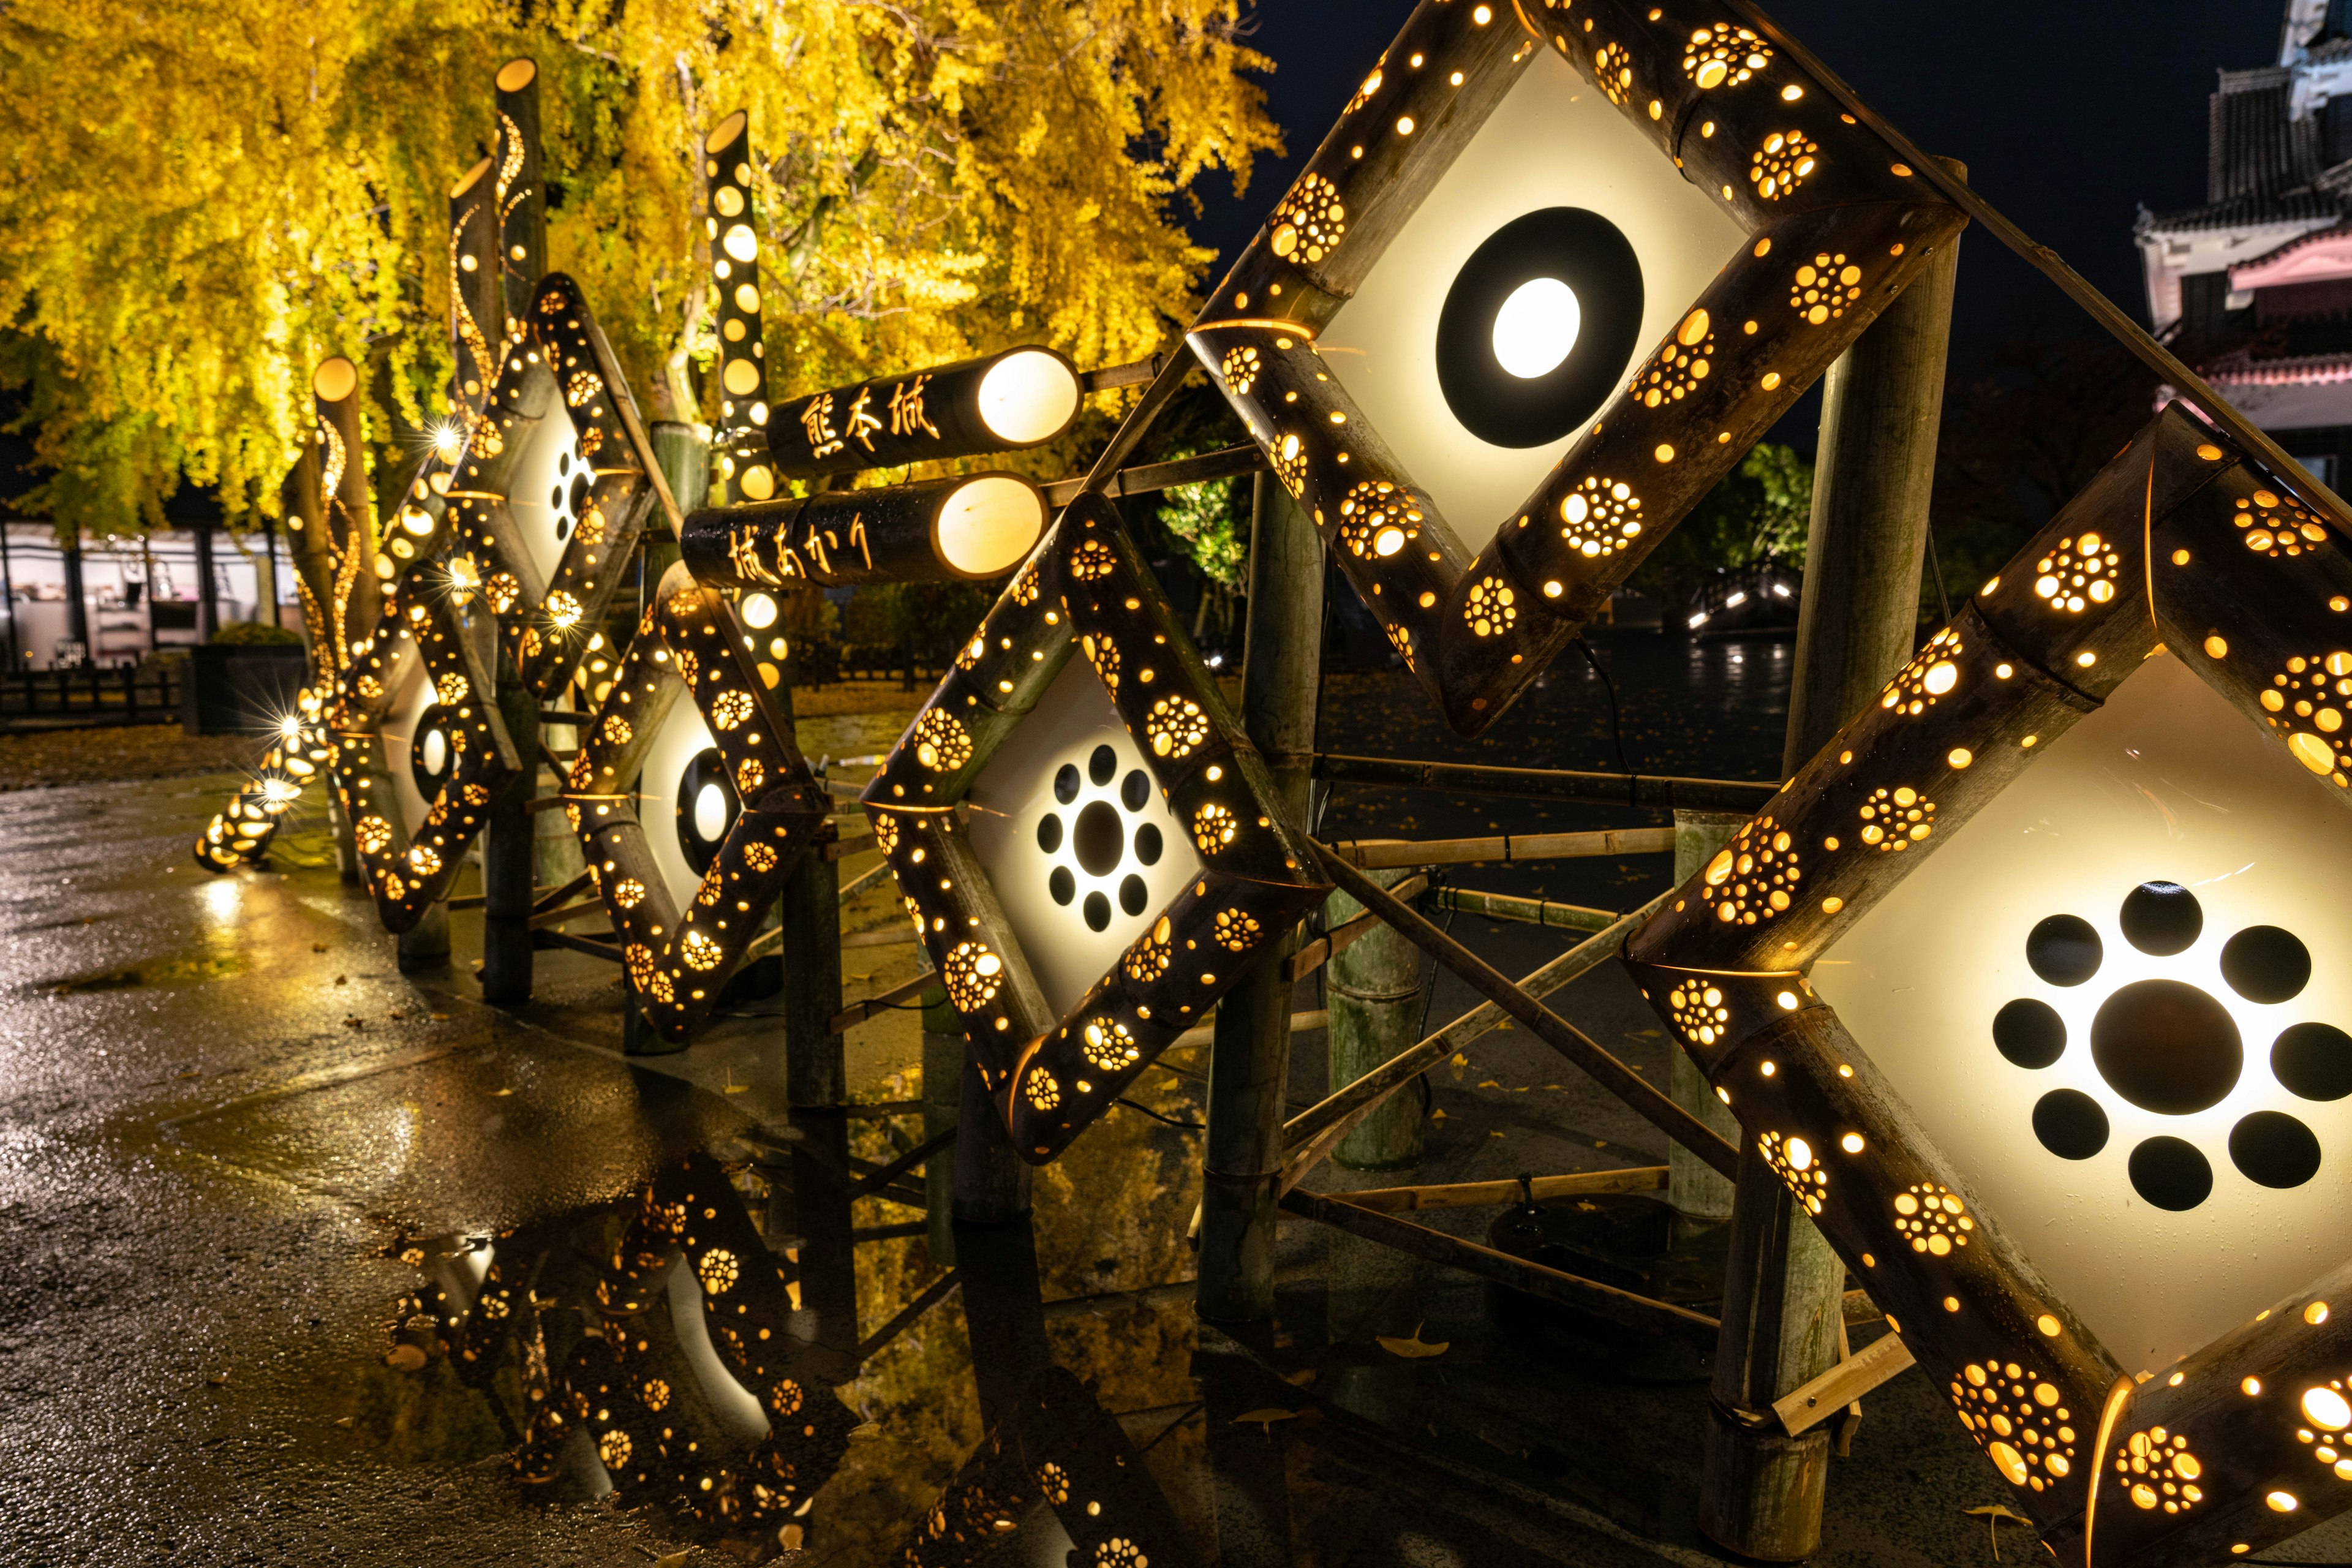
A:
1547	783
1493	1194
1378	854
1525	912
1762	1490
1373	985
1249	1058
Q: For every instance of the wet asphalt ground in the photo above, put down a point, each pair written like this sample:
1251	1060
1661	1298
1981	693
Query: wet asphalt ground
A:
223	1113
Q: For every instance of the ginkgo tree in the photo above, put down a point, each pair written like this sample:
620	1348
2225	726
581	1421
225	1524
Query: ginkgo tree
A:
199	202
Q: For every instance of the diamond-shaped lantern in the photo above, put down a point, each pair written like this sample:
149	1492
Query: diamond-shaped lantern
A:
1022	818
1554	270
553	489
2074	886
728	804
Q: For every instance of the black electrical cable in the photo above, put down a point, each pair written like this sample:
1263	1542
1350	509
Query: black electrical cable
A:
1186	1126
1616	728
1943	600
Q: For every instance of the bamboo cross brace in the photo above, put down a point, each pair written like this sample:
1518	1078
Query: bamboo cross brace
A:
1553	1284
1643	1099
1810	1403
1382	854
1331	944
1490	1195
1309	1136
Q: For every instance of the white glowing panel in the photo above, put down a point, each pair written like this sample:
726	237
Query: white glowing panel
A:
1076	838
413	745
2166	784
684	738
1554	142
549	490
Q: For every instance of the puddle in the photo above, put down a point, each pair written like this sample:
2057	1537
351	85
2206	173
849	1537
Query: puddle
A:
148	972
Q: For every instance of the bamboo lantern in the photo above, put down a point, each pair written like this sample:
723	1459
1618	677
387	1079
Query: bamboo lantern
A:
2114	1015
411	537
965	528
733	803
1053	1067
329	524
553	488
243	829
733	230
420	749
998	402
520	190
1815	224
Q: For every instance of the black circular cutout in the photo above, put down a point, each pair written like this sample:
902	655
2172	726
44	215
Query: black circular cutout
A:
1102	764
1097	909
1049	832
2029	1033
2170	1173
1099	839
708	771
430	754
2162	918
2272	1149
2064	949
1594	258
1066	783
2070	1124
2167	1047
2266	963
2313	1060
1062	885
1147	844
1135	789
1133	896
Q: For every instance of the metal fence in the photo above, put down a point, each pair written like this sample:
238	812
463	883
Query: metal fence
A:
88	697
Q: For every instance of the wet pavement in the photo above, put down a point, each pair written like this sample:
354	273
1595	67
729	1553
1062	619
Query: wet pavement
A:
303	1261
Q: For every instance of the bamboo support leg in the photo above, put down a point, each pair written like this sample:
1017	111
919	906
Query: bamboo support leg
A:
1762	1490
942	1106
1698	1196
510	856
816	1087
1373	984
1249	1057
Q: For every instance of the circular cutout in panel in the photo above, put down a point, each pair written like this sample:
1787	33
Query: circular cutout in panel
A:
2029	1033
1102	766
1049	832
2167	1047
2273	1148
2313	1060
430	754
2170	1173
1560	279
2162	918
1099	839
1148	843
1062	884
1098	910
707	807
2070	1124
2266	963
2064	949
1134	896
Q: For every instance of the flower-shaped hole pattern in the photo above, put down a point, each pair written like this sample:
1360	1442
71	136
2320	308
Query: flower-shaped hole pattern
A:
2174	1048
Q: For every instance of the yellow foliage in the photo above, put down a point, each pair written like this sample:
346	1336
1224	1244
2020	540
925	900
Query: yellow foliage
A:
200	201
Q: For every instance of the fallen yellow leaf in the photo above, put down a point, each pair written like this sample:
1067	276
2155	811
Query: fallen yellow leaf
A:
1489	1083
1993	1514
674	1559
1415	1348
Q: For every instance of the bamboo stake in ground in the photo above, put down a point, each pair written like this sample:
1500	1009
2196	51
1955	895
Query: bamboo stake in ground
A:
1249	1060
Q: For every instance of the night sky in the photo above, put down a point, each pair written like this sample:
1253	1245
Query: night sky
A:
2068	113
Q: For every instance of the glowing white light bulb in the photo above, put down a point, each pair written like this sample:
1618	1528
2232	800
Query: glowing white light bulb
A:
1537	327
710	813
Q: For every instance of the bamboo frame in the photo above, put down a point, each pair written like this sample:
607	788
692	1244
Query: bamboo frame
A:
2204	552
920	417
732	228
690	644
1547	783
1477	628
1086	585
